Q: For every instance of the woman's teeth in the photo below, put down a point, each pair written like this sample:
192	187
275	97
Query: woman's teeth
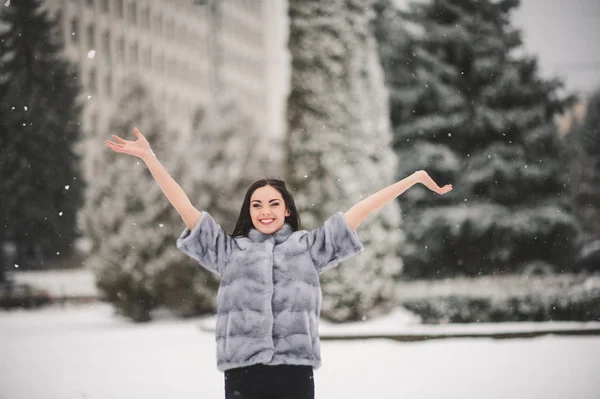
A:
267	221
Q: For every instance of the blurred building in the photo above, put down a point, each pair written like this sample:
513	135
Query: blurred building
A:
575	114
187	51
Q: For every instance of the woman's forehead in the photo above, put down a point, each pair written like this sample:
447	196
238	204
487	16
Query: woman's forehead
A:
266	193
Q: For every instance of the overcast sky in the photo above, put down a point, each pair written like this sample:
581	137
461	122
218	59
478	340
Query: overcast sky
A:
565	35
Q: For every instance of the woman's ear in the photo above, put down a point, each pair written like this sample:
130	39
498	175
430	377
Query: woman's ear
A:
287	212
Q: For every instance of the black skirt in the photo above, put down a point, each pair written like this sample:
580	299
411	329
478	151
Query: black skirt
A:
270	382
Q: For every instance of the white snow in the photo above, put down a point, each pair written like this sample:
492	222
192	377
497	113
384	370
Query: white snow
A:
87	352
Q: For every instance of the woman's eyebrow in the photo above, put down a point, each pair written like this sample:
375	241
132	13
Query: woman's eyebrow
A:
259	201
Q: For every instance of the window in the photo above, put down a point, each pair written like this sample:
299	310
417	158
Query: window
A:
119	8
75	30
91	38
120	56
158	24
169	28
133	53
108	85
106	46
92	81
132	13
147	58
159	63
145	18
93	122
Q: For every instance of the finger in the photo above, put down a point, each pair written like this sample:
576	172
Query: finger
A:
120	140
137	132
114	146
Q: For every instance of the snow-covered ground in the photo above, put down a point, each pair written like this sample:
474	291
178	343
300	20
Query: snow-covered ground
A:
85	351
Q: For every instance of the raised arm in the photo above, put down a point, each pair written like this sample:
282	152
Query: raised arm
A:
174	193
359	212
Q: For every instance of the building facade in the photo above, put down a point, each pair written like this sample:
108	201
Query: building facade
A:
187	52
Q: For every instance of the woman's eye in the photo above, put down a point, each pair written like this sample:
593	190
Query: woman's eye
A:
256	206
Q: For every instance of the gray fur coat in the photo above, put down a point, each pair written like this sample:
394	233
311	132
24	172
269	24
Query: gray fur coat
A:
269	298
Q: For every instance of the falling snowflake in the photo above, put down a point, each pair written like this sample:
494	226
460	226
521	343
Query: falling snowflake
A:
91	54
6	5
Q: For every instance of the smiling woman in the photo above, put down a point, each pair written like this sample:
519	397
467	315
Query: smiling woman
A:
269	298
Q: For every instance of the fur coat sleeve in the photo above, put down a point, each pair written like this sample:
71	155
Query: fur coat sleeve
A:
207	243
332	243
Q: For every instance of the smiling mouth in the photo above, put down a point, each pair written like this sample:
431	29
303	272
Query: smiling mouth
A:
266	222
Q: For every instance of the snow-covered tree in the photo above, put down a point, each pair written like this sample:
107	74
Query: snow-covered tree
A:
586	137
215	166
40	181
338	146
224	150
130	223
468	107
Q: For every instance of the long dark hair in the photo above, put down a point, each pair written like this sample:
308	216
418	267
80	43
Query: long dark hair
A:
244	222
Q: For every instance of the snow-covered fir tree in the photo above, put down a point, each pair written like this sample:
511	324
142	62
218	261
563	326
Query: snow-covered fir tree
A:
40	180
338	147
130	223
468	107
586	137
224	150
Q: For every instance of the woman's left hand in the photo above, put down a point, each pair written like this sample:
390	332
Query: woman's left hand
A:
424	178
444	190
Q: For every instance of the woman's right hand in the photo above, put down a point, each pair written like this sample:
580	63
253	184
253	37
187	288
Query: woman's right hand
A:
140	148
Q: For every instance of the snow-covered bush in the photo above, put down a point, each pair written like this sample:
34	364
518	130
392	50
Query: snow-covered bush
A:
565	297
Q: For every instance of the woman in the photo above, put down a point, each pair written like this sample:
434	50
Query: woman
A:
269	297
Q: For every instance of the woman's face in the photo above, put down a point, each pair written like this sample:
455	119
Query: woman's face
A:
267	210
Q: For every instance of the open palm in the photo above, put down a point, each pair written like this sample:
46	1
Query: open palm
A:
140	148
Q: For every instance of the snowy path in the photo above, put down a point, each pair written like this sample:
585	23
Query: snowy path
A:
85	352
